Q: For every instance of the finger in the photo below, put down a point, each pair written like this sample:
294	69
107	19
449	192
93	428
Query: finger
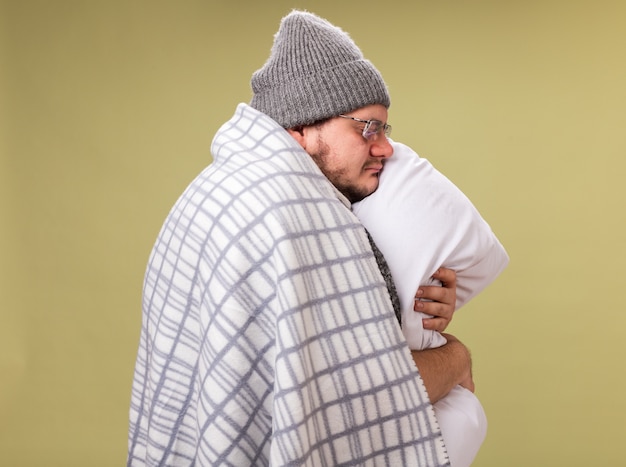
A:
436	293
468	384
446	276
441	309
438	316
435	324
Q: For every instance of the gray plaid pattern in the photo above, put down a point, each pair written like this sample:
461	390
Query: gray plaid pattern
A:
268	336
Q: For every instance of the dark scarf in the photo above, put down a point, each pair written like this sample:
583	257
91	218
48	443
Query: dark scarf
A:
384	270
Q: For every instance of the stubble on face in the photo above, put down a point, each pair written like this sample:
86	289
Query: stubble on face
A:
338	177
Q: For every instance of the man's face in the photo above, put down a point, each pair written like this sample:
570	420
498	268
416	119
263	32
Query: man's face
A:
351	162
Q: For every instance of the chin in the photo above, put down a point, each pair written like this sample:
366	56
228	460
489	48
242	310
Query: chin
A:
357	195
373	187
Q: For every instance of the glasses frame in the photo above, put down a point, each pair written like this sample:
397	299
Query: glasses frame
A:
366	133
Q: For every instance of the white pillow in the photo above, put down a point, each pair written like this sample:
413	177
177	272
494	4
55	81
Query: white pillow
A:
420	221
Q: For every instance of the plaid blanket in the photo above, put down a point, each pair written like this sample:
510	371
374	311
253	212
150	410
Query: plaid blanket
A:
268	336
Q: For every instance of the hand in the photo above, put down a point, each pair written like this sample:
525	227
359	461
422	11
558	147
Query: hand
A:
437	301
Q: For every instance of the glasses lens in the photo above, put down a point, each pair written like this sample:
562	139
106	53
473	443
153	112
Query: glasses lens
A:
372	128
375	127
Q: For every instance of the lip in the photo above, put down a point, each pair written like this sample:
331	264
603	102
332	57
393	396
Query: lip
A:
374	168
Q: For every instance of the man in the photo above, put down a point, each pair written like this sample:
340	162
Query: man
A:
268	333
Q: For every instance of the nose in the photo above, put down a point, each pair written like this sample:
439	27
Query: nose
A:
381	147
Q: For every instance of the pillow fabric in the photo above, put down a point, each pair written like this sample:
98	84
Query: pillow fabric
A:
420	221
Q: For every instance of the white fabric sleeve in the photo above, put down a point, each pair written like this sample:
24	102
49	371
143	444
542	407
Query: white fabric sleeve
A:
420	221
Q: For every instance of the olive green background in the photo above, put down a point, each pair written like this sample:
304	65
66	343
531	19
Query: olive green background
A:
108	109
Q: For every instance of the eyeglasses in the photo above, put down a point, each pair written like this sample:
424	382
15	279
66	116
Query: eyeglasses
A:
372	128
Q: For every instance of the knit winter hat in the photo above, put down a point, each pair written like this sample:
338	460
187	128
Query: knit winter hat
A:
315	71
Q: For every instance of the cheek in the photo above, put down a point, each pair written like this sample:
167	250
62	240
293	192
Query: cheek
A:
352	157
351	166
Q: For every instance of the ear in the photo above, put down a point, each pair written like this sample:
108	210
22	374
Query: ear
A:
298	134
